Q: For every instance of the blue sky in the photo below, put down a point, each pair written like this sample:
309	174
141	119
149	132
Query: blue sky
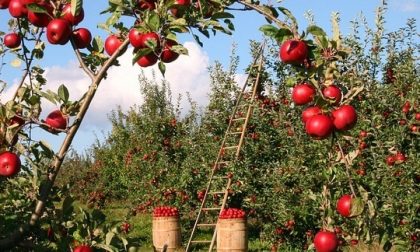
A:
62	68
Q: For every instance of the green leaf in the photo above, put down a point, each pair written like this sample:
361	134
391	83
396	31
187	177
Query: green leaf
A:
221	15
162	68
48	152
63	93
290	16
76	6
67	207
33	7
357	206
283	34
316	31
140	53
180	49
98	44
269	30
153	21
109	237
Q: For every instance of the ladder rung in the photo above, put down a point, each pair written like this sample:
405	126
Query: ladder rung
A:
211	208
220	177
239	118
200	241
206	225
231	147
235	133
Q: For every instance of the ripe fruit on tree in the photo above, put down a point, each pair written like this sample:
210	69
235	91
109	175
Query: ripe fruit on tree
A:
400	158
345	117
4	4
180	10
167	54
390	160
325	241
9	164
56	120
293	51
82	37
83	248
73	20
17	9
344	205
41	19
332	93
309	112
112	43
147	60
303	93
58	31
143	40
147	4
319	126
11	40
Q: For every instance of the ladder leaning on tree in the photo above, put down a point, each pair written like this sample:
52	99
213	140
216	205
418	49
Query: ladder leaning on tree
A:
229	152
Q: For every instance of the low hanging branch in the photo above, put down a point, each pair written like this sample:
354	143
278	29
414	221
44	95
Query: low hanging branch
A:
55	166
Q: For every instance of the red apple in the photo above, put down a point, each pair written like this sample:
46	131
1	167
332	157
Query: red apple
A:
57	120
4	4
325	241
12	40
309	112
58	31
400	158
112	43
167	54
73	20
143	40
417	116
41	19
332	93
83	248
344	205
147	4
390	160
180	9
17	9
319	126
82	37
303	94
293	51
147	60
9	164
345	117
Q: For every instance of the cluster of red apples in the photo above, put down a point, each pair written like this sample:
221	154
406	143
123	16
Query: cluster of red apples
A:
165	211
10	163
318	122
58	21
232	213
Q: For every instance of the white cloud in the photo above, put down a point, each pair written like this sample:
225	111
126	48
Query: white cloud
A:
121	88
407	5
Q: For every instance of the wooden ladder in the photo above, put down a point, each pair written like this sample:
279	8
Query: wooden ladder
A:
229	152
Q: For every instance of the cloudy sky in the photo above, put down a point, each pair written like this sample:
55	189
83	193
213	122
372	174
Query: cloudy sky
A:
188	73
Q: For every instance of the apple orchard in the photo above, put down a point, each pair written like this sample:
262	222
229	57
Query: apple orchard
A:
331	154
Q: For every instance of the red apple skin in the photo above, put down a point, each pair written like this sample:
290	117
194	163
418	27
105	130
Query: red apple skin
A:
112	43
303	94
333	94
58	31
73	20
344	205
293	51
325	241
139	40
83	248
319	126
147	4
17	9
167	55
178	12
4	4
56	120
147	60
41	19
81	37
344	118
9	164
309	112
12	40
